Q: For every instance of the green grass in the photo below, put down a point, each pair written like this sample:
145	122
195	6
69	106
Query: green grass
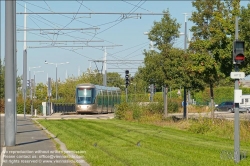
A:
117	142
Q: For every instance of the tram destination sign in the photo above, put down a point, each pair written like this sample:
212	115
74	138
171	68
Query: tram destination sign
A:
237	75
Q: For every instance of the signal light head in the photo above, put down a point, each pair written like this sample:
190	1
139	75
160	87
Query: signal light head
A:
238	52
127	77
239	57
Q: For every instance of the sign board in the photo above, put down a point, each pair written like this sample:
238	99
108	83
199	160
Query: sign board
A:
237	75
237	95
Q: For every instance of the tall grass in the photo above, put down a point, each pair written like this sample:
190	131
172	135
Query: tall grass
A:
220	127
152	113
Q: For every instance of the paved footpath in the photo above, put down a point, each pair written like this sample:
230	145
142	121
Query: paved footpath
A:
34	147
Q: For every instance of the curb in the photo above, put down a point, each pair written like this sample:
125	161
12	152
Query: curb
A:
63	148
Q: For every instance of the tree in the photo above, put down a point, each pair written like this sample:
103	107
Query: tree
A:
214	31
244	34
2	79
115	79
170	66
213	36
163	33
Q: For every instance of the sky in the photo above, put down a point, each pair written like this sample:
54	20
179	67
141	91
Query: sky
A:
123	36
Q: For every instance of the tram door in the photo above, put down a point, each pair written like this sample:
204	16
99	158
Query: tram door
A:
105	102
99	98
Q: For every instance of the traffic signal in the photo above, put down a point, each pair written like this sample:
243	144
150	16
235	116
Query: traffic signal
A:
28	83
152	88
32	84
127	77
149	88
238	52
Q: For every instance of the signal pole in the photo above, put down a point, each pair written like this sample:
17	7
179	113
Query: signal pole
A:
127	83
236	110
185	88
238	58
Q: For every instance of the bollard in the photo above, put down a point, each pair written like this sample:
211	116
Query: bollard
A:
35	112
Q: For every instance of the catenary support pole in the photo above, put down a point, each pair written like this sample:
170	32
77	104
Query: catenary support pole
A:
105	68
15	65
1	81
24	67
56	83
9	122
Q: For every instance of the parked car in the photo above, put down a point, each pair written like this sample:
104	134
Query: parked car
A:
227	106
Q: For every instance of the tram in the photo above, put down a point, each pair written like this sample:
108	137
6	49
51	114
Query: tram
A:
90	98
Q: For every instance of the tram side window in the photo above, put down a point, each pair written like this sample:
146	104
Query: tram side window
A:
84	96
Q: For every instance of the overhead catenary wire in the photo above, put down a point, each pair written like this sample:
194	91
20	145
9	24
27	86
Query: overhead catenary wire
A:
72	13
73	41
46	29
46	19
35	5
111	55
47	34
72	18
60	14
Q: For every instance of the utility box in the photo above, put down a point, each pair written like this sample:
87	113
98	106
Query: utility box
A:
44	108
237	95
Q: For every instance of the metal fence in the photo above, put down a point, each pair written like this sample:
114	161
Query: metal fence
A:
63	108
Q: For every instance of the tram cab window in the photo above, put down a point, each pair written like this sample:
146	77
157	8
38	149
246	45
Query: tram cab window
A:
85	95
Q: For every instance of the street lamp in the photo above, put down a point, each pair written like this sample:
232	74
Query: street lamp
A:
56	64
35	81
31	97
30	78
30	71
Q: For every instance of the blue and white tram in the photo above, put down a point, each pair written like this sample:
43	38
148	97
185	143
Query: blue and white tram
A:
92	98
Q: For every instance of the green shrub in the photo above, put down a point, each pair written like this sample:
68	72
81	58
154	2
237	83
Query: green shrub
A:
220	94
200	126
173	107
174	104
36	105
154	107
121	110
137	112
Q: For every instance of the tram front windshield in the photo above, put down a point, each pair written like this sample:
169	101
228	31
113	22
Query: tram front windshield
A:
84	95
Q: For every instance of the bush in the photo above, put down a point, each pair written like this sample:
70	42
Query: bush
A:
121	110
137	113
174	105
155	107
1	106
200	126
37	104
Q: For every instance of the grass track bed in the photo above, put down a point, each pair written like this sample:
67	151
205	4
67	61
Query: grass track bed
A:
116	142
